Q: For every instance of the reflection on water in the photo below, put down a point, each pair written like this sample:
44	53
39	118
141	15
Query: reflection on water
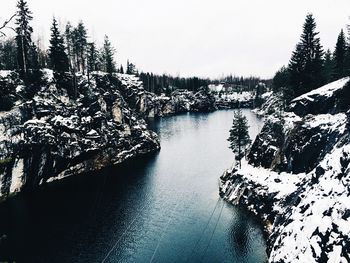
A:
161	208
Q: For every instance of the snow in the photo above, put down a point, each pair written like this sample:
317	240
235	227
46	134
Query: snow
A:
17	176
297	240
48	74
216	88
5	73
329	121
92	133
239	96
316	224
326	90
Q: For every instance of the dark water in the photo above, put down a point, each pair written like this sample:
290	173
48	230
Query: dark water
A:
161	208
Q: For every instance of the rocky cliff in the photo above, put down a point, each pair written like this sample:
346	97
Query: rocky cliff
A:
67	129
53	136
179	101
296	178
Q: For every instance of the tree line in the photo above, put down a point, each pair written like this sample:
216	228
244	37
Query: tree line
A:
69	51
310	66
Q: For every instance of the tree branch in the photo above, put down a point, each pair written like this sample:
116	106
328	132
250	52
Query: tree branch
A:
6	23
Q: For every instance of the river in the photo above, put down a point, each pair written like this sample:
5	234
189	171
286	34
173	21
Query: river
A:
164	207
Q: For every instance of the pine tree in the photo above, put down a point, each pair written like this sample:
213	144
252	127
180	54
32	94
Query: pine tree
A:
68	34
281	79
24	35
340	57
92	58
121	70
347	57
8	54
33	56
108	56
79	44
239	136
306	64
131	68
57	53
328	66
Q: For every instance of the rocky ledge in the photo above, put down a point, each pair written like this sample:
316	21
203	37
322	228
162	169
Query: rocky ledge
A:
296	177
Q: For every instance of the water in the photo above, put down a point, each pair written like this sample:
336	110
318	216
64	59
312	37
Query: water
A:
162	208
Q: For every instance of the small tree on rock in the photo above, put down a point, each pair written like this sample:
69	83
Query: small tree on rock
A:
239	136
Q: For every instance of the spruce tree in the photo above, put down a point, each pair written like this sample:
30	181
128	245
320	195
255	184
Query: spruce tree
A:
68	34
108	56
306	64
57	53
347	57
328	66
8	54
239	136
131	68
24	35
80	46
340	57
92	58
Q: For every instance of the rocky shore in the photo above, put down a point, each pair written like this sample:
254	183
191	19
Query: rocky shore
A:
296	177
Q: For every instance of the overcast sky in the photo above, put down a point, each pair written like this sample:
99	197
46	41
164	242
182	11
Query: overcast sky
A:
196	37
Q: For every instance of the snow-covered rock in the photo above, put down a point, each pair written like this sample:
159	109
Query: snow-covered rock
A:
296	178
179	101
53	136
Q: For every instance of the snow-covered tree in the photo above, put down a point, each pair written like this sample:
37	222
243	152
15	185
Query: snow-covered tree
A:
239	137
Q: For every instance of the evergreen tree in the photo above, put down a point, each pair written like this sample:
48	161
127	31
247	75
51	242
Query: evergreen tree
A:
33	56
347	57
57	53
92	58
79	41
340	57
306	64
239	136
121	70
8	54
131	69
108	56
281	79
328	66
7	89
68	34
24	35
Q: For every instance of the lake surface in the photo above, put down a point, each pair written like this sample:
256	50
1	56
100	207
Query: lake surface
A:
162	208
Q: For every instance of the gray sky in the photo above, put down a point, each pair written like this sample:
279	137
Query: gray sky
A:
196	37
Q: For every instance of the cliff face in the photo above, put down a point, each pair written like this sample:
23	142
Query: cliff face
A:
53	136
296	177
151	105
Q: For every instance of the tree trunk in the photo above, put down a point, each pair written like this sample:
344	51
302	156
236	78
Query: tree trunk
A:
23	57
